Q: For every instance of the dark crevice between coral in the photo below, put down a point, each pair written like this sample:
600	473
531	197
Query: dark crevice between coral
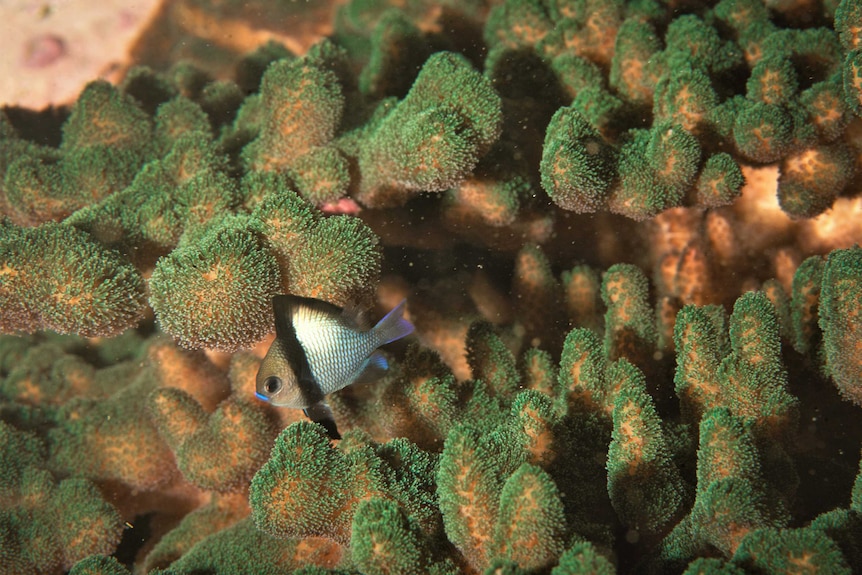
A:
39	126
418	265
827	445
136	535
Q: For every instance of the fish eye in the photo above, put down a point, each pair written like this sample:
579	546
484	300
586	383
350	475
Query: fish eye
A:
272	384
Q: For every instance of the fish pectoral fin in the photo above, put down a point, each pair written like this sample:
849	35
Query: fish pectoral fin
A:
322	414
372	369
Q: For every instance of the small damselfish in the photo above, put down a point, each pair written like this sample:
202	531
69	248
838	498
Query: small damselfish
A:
320	348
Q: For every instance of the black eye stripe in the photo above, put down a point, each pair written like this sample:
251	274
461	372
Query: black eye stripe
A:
272	384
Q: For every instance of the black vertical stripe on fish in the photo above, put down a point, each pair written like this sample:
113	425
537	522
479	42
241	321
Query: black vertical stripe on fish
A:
294	352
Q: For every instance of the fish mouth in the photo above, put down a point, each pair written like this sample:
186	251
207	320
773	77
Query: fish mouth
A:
261	396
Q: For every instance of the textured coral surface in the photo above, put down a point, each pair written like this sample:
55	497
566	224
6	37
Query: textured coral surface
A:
627	233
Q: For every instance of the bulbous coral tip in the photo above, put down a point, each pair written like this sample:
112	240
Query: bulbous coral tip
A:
56	277
220	451
630	330
302	107
433	138
294	494
531	528
384	538
340	262
38	505
840	321
103	115
772	549
577	164
698	337
309	488
812	178
639	450
99	565
216	294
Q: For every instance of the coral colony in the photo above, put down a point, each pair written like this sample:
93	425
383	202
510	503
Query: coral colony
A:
626	235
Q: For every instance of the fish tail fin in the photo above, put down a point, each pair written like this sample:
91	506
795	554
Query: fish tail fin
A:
393	326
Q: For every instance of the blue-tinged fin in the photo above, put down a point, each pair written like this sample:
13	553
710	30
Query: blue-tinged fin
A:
393	326
322	414
372	368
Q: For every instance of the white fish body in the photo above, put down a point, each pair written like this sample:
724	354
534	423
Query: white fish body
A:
336	351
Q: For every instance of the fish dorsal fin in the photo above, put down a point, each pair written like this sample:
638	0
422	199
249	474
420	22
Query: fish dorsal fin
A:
355	317
350	315
314	305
